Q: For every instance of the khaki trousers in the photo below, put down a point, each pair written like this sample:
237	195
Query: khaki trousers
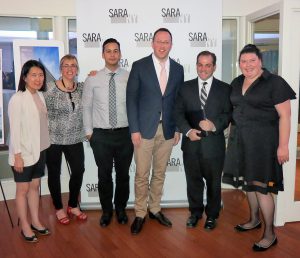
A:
155	152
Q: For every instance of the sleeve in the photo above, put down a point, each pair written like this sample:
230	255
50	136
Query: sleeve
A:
87	105
14	114
132	101
179	112
221	122
281	91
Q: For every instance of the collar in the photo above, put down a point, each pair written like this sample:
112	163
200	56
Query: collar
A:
209	81
107	71
157	62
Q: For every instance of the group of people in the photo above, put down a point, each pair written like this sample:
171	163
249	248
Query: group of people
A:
142	114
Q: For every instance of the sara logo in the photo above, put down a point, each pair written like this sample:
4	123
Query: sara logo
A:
174	15
186	67
92	189
91	40
143	39
174	164
124	63
122	16
200	39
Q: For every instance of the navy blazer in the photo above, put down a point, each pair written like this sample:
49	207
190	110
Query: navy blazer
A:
218	109
145	101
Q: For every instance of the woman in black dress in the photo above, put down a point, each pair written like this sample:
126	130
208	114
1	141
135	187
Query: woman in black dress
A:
258	141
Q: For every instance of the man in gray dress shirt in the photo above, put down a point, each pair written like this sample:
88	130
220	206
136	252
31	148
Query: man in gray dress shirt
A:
106	127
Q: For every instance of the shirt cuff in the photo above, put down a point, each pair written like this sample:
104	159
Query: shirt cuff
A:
187	134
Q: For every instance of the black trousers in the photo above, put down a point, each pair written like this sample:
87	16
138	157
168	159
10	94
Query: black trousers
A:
74	155
198	168
112	147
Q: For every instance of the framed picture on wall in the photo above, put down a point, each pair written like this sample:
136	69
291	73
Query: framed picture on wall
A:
48	52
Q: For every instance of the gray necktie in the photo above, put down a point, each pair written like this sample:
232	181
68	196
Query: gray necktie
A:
203	95
112	101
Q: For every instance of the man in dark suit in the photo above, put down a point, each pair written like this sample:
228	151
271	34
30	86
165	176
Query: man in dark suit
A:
205	100
151	91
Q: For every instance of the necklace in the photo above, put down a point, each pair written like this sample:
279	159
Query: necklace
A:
62	80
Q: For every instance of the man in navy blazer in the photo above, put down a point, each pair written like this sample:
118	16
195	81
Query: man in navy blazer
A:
203	154
151	91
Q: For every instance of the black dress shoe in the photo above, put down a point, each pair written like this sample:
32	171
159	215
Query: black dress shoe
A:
160	217
105	219
259	248
42	232
210	223
240	228
192	221
122	217
137	225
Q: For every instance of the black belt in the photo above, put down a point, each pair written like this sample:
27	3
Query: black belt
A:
111	129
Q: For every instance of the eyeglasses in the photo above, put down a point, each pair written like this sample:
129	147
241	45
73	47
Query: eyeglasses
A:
162	42
71	99
69	66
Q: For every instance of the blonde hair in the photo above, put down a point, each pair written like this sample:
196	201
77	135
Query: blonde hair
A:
68	57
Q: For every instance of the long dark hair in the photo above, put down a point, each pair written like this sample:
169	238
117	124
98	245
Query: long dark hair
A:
25	70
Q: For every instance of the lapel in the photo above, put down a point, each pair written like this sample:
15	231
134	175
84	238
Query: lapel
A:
195	93
152	73
171	75
213	97
212	93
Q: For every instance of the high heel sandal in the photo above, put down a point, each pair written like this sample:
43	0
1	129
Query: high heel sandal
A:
64	220
31	239
81	216
42	232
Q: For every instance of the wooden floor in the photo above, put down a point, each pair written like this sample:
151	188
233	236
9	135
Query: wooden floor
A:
89	240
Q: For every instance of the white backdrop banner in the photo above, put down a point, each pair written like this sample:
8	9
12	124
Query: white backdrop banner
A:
196	25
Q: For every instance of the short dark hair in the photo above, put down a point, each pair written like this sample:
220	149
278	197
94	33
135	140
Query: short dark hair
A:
110	40
207	53
25	70
162	30
251	48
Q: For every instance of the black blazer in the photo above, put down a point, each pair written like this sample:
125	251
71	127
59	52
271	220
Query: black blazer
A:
218	109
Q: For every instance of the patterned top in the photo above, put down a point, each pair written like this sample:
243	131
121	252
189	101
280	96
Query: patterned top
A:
65	124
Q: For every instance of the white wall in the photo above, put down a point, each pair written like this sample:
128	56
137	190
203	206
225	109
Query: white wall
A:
38	7
67	7
244	7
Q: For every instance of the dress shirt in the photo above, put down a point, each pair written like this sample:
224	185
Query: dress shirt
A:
207	86
95	100
157	66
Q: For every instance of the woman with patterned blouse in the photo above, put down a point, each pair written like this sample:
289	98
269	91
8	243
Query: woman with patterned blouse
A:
63	99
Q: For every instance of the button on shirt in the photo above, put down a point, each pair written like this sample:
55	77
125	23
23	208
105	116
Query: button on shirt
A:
95	100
